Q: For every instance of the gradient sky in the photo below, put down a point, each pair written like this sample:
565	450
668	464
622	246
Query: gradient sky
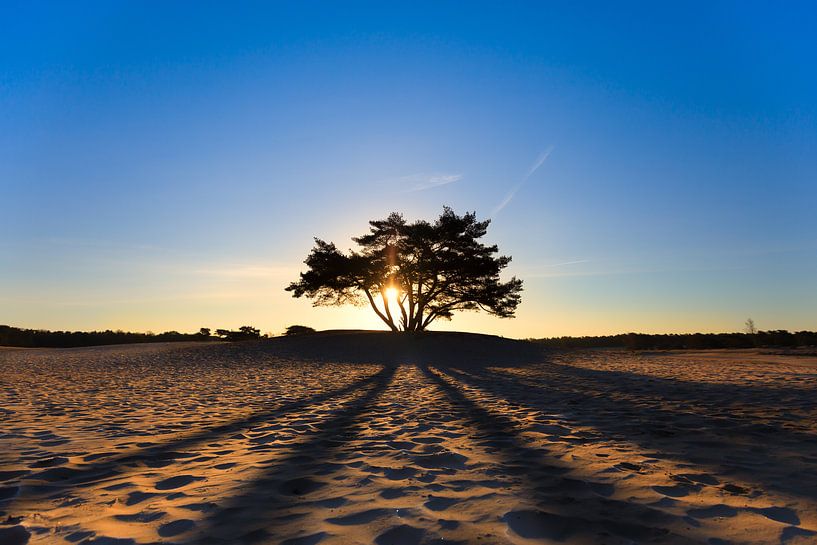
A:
650	167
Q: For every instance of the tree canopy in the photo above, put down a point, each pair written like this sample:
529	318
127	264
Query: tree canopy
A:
413	273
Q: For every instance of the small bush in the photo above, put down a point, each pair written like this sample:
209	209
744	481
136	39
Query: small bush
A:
295	330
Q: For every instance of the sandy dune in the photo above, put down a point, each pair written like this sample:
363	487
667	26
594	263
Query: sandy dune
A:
304	442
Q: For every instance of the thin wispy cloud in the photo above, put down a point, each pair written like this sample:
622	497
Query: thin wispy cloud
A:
421	182
247	271
512	193
562	264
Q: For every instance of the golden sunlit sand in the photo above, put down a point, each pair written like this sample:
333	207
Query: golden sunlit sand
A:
355	437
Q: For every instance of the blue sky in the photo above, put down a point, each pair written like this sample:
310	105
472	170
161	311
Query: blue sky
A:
649	167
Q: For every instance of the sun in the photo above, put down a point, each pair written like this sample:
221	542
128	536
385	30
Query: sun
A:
391	294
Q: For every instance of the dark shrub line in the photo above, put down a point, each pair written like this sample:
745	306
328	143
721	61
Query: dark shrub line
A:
675	341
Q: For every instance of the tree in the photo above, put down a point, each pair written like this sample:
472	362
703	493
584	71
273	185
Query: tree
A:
749	327
244	333
204	331
249	331
424	270
295	330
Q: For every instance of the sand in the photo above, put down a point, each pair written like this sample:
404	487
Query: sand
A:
305	442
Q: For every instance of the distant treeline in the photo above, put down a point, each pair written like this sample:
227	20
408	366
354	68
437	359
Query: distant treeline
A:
642	341
40	338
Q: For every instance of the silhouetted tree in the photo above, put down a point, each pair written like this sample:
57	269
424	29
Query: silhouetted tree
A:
749	327
295	330
244	333
249	331
13	336
204	332
425	270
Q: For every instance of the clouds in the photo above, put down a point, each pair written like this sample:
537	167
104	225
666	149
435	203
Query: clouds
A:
512	193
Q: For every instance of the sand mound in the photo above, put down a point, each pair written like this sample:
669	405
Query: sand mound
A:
429	348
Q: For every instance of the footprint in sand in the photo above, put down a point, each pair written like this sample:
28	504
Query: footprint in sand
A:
437	503
176	527
75	537
716	511
677	491
312	539
50	462
700	478
780	514
541	525
629	467
105	540
363	517
399	474
440	460
144	516
138	497
735	489
792	532
332	503
392	493
14	535
401	535
300	486
177	482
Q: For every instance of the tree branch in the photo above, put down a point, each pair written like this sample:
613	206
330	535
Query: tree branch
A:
389	322
388	310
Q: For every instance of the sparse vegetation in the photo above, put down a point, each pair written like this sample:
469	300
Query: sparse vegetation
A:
642	341
295	330
42	338
244	333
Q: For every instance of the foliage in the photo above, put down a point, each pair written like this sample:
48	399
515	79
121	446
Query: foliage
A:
434	270
35	338
244	333
295	330
641	341
41	338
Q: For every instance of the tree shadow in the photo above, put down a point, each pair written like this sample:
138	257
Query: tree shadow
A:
250	516
622	406
565	506
60	478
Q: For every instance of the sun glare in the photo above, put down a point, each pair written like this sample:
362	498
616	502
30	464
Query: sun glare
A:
391	294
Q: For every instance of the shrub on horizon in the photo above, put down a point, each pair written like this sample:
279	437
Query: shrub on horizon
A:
295	330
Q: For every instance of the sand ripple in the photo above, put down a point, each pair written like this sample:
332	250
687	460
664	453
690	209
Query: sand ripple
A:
232	444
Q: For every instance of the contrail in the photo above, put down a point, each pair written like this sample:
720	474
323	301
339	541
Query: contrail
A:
534	167
539	160
422	182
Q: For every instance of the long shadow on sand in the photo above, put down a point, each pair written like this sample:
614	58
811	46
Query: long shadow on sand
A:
564	506
248	517
59	478
625	408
